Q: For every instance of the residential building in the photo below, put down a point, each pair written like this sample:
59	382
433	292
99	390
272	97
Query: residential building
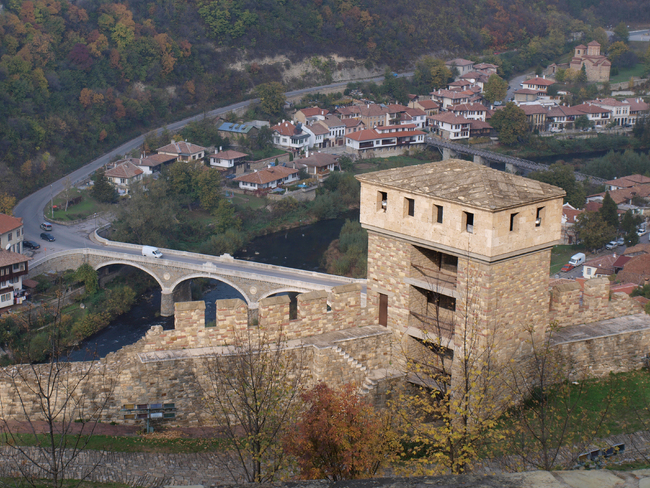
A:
123	175
183	150
152	164
430	107
448	98
561	117
473	111
349	112
414	116
638	109
231	130
372	115
486	68
626	182
479	128
596	65
336	130
310	115
527	95
624	196
226	159
600	116
450	126
267	178
13	266
538	84
535	115
367	142
476	78
620	110
394	112
318	164
460	85
636	270
462	65
12	233
569	219
289	136
321	133
353	125
599	267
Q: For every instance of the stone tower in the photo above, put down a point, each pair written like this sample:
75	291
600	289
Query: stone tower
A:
454	241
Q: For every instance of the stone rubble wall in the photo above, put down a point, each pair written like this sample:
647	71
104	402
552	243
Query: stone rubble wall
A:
571	306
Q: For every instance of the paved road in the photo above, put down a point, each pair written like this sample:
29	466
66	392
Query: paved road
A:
640	35
515	84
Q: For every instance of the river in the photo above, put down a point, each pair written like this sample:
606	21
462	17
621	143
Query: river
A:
301	247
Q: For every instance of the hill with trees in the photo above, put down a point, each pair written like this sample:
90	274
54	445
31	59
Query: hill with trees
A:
77	78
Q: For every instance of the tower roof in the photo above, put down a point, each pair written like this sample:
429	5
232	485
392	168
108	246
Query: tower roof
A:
465	183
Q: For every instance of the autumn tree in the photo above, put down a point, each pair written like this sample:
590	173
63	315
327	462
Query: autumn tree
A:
431	74
340	436
496	88
272	97
511	123
7	203
252	388
621	31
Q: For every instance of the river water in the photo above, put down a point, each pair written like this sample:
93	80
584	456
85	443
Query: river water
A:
301	248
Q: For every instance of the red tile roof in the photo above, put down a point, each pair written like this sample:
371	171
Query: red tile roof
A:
429	104
124	170
229	155
320	129
533	109
267	175
371	134
7	258
629	181
464	107
638	249
9	223
637	105
153	160
637	270
449	118
604	264
318	160
311	111
459	62
285	129
586	108
181	147
539	81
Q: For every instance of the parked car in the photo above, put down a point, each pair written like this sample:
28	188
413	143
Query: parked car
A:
46	226
31	245
620	241
46	236
611	245
641	232
567	267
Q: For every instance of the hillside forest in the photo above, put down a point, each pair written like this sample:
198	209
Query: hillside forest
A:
77	78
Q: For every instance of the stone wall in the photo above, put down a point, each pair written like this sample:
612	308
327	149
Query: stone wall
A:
569	305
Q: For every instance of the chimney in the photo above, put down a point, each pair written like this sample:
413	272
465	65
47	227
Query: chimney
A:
283	121
220	148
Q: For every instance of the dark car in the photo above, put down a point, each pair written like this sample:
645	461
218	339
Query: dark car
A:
31	245
46	236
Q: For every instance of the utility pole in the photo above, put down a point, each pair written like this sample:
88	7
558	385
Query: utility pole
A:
52	201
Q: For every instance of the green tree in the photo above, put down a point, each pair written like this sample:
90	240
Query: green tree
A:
272	97
208	184
582	75
628	225
88	276
263	141
562	175
560	75
593	231
616	50
583	122
621	31
511	123
102	190
600	36
496	88
225	217
609	211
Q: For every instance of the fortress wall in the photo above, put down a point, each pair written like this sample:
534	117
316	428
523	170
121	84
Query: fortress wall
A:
571	306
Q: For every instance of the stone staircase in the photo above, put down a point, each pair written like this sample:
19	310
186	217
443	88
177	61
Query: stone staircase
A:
372	377
351	361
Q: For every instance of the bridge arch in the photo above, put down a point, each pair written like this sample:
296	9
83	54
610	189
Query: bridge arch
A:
292	289
133	265
208	276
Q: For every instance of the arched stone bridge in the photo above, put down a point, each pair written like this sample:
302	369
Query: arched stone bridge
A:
254	281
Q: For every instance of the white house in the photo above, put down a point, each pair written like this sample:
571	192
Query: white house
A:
415	116
11	233
598	115
13	266
123	175
450	126
152	164
463	65
289	136
473	111
183	150
226	159
267	178
620	110
389	137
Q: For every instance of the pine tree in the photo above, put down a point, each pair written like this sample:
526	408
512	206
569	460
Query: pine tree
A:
609	211
103	191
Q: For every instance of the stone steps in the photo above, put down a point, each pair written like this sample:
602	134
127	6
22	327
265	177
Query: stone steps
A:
351	361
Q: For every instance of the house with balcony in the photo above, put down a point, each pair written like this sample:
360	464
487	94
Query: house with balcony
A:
626	182
638	109
561	117
620	110
414	116
392	138
318	165
336	127
267	178
12	233
535	115
152	164
473	111
320	132
449	98
353	125
289	136
598	115
486	68
13	266
310	115
450	126
183	151
123	175
538	84
430	107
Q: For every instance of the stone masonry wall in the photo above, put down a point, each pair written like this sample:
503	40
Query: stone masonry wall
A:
273	315
570	306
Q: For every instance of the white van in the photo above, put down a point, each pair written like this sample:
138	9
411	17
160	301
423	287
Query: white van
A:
577	259
151	252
